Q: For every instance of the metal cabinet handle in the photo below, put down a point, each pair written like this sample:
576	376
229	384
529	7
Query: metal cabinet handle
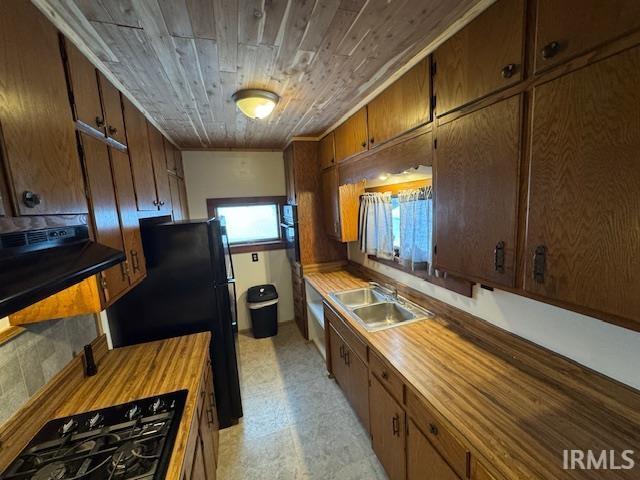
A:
30	199
508	71
385	375
156	203
364	144
123	270
395	425
347	358
550	50
99	121
372	140
134	259
433	429
539	263
498	254
161	203
112	130
342	351
209	417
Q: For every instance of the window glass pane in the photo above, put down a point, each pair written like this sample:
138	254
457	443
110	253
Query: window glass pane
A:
395	221
251	223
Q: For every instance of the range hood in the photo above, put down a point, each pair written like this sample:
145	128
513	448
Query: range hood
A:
36	264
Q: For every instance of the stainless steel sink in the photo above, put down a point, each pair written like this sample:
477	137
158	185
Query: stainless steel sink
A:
377	308
359	297
383	314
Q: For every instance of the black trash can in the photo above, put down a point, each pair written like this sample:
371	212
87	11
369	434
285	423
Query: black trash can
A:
263	304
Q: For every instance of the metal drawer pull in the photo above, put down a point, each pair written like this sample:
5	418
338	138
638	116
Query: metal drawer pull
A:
550	50
385	375
395	424
433	429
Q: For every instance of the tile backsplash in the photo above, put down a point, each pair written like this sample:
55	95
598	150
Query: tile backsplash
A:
31	359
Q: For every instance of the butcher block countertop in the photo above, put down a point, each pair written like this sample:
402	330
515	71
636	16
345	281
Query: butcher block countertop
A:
145	370
515	405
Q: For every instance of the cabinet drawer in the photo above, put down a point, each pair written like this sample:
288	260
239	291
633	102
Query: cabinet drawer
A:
350	338
387	377
456	455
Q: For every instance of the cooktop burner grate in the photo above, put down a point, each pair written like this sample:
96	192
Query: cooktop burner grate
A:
132	441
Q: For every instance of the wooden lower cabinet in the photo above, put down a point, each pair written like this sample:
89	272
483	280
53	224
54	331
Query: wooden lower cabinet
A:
423	461
299	299
387	427
351	373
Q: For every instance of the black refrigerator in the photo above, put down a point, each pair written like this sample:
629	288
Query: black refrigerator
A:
190	287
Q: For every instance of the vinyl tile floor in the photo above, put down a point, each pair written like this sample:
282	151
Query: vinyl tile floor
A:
297	423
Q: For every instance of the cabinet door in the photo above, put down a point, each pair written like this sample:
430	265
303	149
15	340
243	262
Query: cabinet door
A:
37	124
171	156
326	151
584	189
176	199
206	438
330	202
182	192
104	209
351	137
402	106
483	57
358	385
179	166
198	471
423	461
476	178
349	208
571	27
86	92
128	214
159	161
112	108
387	430
338	367
140	155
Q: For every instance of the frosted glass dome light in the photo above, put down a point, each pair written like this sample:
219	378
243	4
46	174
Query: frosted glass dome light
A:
255	103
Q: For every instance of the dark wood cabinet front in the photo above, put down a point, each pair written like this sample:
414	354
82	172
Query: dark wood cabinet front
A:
85	90
176	198
582	239
40	149
160	175
170	155
571	27
484	57
351	137
404	105
112	108
326	151
423	461
387	423
104	209
476	187
330	202
128	214
140	155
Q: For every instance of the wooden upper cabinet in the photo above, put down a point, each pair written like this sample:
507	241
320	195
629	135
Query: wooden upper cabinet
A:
326	151
289	174
84	86
351	136
112	108
482	58
176	198
330	202
571	27
140	155
104	211
128	214
423	461
404	105
348	210
179	165
156	143
43	167
582	238
170	154
387	424
476	188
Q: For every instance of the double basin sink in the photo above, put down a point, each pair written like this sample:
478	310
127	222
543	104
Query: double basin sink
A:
377	308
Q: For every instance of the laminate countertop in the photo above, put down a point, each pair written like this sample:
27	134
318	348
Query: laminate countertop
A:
145	370
516	405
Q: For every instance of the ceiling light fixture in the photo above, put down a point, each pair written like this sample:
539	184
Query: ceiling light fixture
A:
255	103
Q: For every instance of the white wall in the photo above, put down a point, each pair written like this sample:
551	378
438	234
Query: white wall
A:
242	174
606	348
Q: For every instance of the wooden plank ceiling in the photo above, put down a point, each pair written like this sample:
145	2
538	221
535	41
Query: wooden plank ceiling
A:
182	60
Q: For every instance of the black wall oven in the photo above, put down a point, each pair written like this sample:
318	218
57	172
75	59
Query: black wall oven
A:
289	226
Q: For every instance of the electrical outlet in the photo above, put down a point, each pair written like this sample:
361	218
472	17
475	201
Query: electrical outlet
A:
254	257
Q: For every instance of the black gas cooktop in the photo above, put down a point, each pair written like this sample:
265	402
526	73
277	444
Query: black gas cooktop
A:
129	441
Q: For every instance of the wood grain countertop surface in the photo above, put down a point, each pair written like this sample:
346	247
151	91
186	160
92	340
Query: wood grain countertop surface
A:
515	405
145	370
